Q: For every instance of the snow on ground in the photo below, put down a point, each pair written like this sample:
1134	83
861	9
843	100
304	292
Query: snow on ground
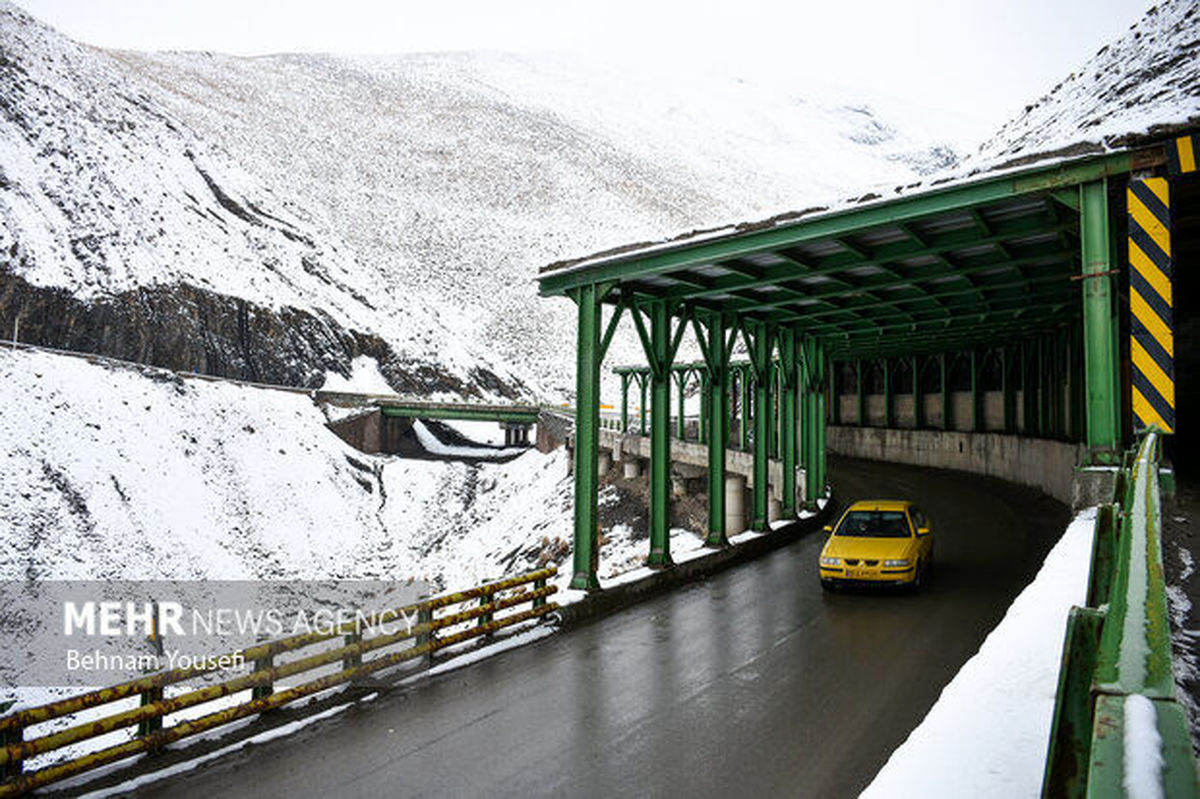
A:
365	378
986	735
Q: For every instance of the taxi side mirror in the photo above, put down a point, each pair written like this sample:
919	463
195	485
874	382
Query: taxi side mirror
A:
922	531
828	528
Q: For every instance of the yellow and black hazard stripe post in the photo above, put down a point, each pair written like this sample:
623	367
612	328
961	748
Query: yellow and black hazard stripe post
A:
1182	153
1152	346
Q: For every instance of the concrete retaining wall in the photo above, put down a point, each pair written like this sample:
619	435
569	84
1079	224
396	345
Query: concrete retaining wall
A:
1047	465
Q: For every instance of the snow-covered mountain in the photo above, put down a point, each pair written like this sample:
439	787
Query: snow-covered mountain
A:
460	174
1144	84
125	232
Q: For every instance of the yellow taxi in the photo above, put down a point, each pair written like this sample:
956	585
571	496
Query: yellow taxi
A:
878	542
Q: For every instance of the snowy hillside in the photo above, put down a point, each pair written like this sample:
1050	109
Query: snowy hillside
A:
459	175
116	473
1145	83
123	231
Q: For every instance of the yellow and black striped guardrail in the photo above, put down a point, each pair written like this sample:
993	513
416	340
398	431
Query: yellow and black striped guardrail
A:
1151	346
146	731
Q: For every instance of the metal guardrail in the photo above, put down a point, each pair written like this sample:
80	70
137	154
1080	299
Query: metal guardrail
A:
1116	722
486	602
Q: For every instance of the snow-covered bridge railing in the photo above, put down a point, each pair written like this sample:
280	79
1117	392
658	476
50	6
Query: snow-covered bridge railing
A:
427	627
1117	727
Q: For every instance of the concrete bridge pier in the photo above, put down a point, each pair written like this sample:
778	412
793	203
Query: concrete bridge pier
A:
604	463
735	504
515	434
631	467
774	509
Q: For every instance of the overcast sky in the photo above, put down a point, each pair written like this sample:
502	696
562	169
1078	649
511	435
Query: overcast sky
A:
985	60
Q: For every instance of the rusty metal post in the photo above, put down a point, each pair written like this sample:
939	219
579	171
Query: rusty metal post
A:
425	617
266	689
486	618
13	768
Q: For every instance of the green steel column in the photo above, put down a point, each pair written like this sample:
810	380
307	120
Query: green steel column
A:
747	414
862	394
660	436
1028	416
681	377
947	395
586	553
789	378
643	384
705	406
1043	426
762	421
718	430
816	486
625	402
835	398
975	415
1006	392
917	398
1100	360
889	418
1075	373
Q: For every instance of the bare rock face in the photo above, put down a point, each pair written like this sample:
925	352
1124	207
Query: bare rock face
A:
188	329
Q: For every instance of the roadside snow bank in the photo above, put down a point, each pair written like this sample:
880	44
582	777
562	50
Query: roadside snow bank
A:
986	735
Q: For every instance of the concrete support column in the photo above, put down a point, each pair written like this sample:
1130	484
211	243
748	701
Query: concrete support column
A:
604	464
735	504
631	467
774	509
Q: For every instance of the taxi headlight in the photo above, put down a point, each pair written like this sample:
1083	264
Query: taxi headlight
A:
895	563
831	561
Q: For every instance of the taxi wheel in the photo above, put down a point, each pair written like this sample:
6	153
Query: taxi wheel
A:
919	577
827	585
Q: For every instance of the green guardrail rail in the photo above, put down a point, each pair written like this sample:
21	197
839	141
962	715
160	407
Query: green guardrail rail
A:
1118	729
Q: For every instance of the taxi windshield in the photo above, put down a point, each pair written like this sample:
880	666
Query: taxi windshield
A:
875	524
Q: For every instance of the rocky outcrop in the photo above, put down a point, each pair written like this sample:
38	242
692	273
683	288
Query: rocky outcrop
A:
188	329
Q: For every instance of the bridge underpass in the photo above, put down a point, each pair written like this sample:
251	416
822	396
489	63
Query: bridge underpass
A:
752	682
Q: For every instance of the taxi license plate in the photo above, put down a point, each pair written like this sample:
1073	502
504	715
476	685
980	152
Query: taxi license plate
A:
857	574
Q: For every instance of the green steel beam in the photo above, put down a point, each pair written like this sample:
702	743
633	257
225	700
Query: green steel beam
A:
1051	258
464	413
904	209
1100	357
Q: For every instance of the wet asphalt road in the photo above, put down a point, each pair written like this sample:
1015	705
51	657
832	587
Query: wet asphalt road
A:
753	682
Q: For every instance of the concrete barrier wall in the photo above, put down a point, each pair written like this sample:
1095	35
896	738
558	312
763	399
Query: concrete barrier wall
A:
1034	462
